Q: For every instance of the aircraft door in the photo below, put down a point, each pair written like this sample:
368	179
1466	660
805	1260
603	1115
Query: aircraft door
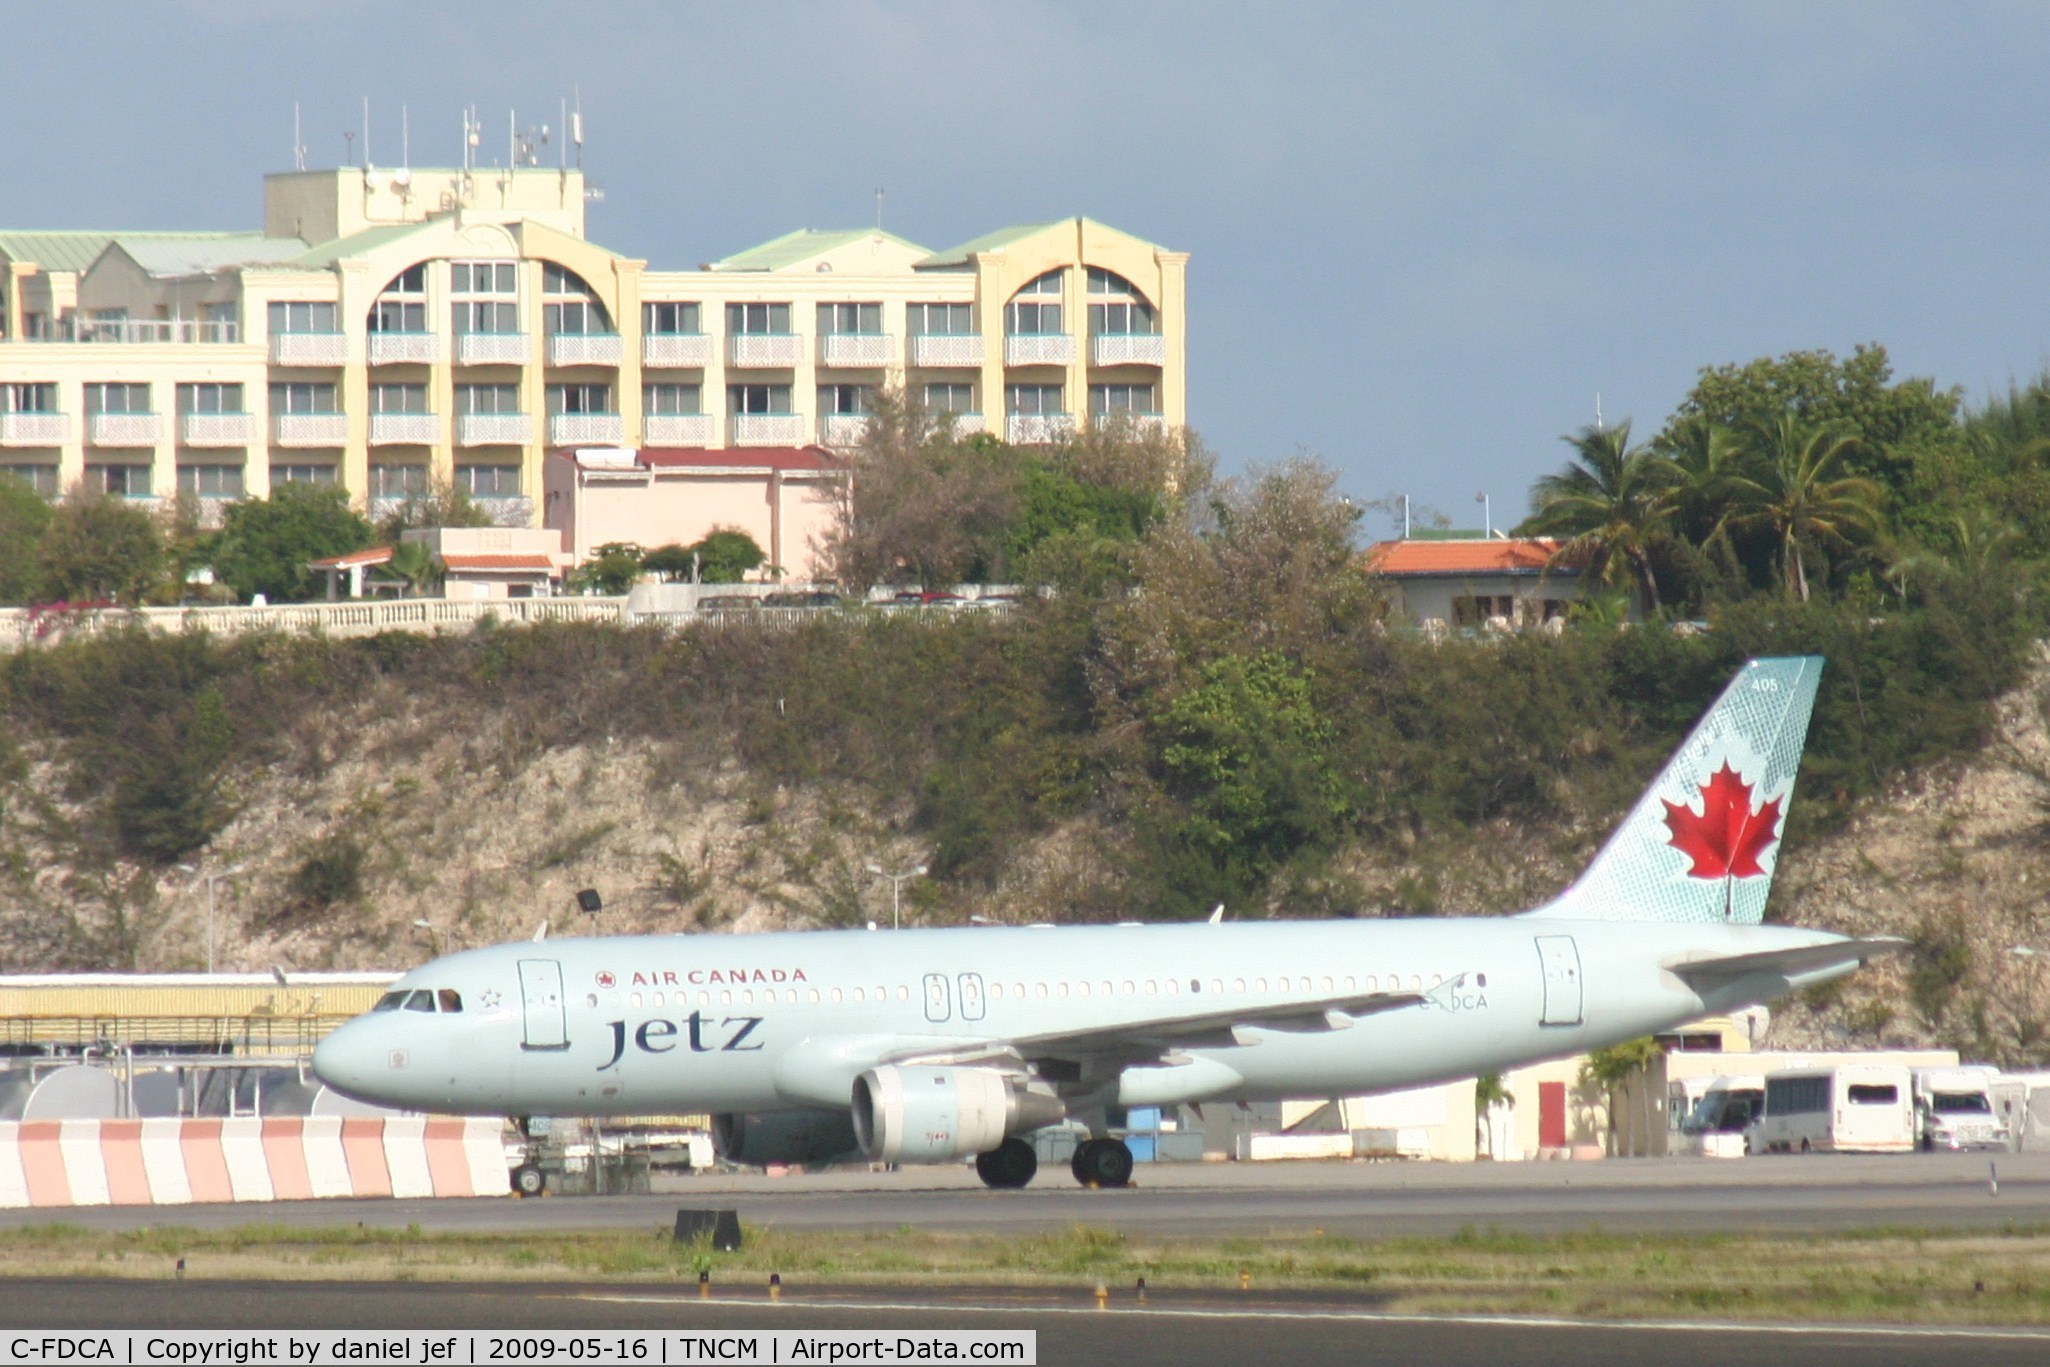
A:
938	1005
1560	959
971	996
541	995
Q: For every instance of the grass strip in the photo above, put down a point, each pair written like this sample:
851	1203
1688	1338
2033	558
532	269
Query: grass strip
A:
1881	1275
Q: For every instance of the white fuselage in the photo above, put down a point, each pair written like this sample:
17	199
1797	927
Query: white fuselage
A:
746	1023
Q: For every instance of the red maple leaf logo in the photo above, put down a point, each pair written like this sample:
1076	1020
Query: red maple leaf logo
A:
605	979
1725	838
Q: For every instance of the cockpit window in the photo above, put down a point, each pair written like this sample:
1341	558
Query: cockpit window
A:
451	1000
421	1000
390	1001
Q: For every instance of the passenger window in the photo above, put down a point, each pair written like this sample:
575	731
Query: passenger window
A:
1081	988
857	996
1216	985
636	999
1039	990
813	996
1131	988
836	996
1259	984
1238	984
657	999
903	993
451	1000
1329	985
390	1001
421	1000
996	992
1061	989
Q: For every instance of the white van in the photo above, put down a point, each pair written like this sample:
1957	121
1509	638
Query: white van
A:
1715	1126
1854	1107
1954	1109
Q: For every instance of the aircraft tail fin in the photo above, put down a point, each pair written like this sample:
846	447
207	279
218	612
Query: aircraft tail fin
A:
1702	842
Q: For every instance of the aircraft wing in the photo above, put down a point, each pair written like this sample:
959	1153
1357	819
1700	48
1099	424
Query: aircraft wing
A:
1788	963
1155	1037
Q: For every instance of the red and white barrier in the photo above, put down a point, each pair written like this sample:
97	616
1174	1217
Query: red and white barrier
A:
168	1162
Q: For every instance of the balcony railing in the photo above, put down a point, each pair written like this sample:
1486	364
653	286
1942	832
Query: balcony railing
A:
585	429
764	349
1154	424
1039	348
492	429
1038	429
868	349
143	331
123	429
676	349
934	350
404	429
768	429
310	429
1128	348
842	429
584	348
34	429
491	348
404	348
965	424
308	348
677	429
217	429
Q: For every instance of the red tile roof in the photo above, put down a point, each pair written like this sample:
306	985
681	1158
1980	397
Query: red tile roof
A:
742	457
1499	556
376	555
540	563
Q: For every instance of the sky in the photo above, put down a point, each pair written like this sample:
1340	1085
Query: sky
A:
1426	240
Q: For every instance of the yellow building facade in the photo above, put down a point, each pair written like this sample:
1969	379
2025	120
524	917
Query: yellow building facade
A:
399	331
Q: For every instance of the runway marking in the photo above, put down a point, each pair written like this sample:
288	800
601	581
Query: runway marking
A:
1877	1331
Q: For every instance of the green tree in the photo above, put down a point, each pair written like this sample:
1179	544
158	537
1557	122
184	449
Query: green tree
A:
416	566
726	555
611	570
1611	508
24	517
1610	1068
445	505
97	547
1798	494
265	545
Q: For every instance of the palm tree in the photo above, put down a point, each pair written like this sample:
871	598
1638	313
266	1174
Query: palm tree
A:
1797	492
1611	508
414	563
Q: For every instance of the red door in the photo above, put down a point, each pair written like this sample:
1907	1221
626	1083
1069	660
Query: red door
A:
1551	1115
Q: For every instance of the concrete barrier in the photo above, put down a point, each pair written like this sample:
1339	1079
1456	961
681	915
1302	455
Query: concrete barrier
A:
168	1162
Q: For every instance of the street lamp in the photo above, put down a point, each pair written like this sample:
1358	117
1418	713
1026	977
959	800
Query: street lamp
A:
211	880
896	884
433	934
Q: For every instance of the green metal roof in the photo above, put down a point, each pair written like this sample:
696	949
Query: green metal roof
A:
1004	237
185	255
802	245
326	254
73	251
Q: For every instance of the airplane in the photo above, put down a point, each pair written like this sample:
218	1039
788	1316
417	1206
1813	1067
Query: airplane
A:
940	1045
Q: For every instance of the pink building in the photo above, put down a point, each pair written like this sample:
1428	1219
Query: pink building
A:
785	497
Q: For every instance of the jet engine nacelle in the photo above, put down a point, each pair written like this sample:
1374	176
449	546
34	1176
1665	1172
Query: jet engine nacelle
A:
784	1137
932	1115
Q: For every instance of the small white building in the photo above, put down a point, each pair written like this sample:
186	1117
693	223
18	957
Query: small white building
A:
1474	582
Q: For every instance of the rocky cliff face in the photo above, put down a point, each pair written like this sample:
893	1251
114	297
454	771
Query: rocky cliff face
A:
386	816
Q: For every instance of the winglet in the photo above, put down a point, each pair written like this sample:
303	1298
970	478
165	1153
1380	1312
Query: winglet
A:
1217	914
541	933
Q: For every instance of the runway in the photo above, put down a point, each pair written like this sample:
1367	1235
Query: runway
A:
1361	1200
1316	1331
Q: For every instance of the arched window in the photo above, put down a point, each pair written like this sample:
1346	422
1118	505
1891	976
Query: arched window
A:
1035	311
570	308
1117	308
401	306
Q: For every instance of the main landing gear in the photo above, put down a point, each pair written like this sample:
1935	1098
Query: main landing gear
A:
1008	1166
1102	1163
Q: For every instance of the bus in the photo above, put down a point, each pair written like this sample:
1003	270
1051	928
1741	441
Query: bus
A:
1715	1126
1854	1107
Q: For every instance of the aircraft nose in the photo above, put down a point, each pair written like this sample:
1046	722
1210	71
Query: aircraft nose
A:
344	1060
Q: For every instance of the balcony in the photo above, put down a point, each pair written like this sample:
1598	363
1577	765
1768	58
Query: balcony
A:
310	429
677	429
34	429
404	429
308	348
842	429
404	348
1039	348
491	348
869	350
144	331
764	349
939	352
584	348
492	429
680	349
585	429
768	429
1146	424
217	429
1128	348
123	429
965	424
1038	429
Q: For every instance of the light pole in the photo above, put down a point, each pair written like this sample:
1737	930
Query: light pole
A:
211	880
896	883
434	936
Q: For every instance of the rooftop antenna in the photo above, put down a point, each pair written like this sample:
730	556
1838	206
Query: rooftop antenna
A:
1598	410
576	124
1405	515
562	147
366	132
405	137
348	148
879	208
512	137
298	146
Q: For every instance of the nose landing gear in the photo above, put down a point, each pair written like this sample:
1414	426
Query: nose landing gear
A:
1102	1163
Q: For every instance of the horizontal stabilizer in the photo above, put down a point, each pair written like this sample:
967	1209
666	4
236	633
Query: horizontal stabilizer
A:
1787	963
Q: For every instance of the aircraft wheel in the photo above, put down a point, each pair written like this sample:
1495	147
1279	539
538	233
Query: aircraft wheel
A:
1008	1166
529	1180
1103	1163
